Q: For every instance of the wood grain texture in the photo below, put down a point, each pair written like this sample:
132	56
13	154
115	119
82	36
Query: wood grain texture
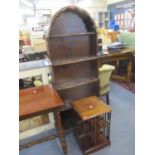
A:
38	100
90	107
121	55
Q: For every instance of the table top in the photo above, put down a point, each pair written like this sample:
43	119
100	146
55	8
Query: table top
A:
90	107
38	100
117	53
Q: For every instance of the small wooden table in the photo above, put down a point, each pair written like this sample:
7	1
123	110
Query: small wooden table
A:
90	107
93	133
40	100
122	54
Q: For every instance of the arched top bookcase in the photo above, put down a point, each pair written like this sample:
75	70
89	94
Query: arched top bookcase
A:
72	35
72	45
70	21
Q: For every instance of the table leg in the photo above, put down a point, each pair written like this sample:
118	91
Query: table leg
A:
60	131
117	65
107	98
129	71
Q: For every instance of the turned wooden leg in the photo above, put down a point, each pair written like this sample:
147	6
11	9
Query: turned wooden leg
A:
60	131
117	66
107	98
129	71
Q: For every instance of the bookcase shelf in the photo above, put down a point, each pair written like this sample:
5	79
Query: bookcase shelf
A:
71	35
72	46
73	60
76	82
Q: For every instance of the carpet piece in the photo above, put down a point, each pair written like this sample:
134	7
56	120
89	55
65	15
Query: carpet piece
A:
129	86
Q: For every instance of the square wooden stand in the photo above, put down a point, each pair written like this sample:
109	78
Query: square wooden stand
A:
93	129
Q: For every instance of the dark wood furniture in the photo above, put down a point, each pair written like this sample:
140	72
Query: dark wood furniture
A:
116	56
72	46
93	131
40	100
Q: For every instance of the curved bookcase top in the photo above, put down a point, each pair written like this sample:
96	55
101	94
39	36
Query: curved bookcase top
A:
71	20
72	35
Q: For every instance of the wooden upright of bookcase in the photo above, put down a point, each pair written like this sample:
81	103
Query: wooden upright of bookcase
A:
72	45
